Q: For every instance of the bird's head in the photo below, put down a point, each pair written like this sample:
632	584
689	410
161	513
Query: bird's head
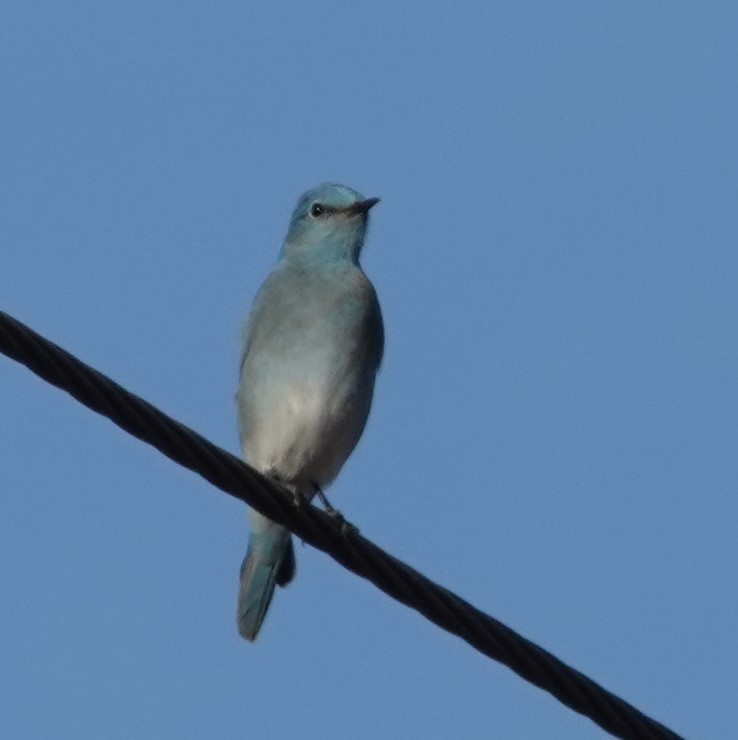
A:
328	224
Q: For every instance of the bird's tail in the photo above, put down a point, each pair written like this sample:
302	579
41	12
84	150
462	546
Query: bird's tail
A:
269	561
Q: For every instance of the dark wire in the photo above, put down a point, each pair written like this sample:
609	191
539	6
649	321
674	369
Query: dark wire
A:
341	542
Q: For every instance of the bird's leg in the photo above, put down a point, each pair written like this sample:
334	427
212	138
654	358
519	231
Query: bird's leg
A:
346	526
318	491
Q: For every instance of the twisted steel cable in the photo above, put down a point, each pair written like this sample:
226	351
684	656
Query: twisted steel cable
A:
343	543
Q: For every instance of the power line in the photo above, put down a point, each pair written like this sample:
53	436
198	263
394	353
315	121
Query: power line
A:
343	544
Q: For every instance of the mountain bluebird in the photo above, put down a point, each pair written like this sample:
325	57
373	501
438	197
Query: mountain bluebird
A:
313	345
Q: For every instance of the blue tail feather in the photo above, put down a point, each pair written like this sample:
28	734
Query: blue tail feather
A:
288	566
270	560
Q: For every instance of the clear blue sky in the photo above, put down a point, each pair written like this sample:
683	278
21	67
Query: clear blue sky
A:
554	435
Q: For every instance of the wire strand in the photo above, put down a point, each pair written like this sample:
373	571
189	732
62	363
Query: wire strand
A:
344	544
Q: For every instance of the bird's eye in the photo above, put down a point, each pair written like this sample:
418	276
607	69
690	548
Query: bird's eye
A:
317	210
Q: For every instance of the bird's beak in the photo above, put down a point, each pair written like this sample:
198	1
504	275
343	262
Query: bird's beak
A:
363	206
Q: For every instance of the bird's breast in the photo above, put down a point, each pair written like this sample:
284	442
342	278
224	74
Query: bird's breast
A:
307	376
304	430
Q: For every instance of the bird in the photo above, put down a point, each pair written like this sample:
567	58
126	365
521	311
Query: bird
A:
313	345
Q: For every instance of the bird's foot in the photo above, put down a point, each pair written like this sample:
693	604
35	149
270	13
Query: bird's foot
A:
346	526
318	491
299	500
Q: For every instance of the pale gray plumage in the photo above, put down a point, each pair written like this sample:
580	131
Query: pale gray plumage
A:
312	349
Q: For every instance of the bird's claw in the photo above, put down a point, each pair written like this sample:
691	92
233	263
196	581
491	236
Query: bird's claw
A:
346	526
348	529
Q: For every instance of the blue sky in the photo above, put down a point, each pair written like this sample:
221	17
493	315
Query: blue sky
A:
554	434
